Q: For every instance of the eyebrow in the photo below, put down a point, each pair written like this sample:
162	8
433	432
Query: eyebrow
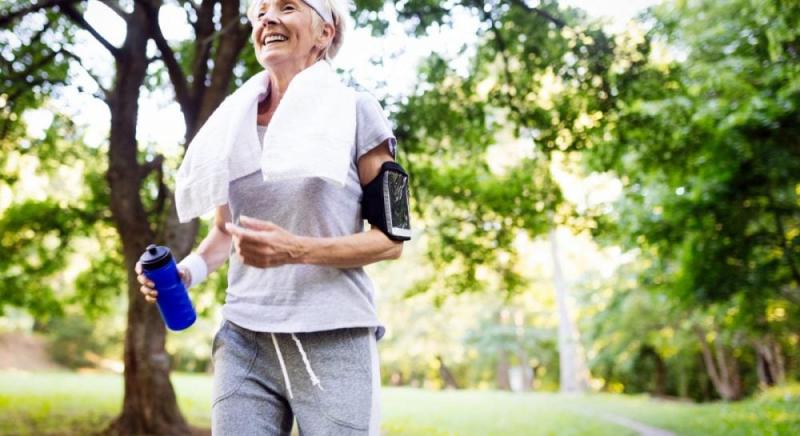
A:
280	2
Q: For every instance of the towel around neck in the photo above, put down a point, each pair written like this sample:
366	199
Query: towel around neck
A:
311	134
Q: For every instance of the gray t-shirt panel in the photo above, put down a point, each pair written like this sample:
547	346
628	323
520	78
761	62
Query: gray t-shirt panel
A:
305	298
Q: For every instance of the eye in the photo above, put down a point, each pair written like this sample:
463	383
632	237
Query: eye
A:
288	7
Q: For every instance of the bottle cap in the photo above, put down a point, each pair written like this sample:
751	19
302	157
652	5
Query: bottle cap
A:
155	256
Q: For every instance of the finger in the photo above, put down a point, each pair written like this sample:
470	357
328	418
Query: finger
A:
150	299
233	229
241	233
138	267
145	281
256	224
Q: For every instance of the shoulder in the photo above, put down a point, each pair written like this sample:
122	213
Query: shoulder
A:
366	103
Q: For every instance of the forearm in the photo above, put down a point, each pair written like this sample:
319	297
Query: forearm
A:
349	251
215	248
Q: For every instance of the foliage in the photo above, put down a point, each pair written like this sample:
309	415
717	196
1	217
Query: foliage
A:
707	150
37	235
703	136
74	341
448	125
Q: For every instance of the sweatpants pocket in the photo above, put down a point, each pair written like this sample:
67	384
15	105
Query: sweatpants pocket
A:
234	352
343	370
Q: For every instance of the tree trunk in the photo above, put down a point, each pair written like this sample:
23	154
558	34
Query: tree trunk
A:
149	405
446	375
502	375
722	368
527	371
574	375
660	371
770	366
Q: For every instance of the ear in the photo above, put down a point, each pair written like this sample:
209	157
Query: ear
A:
326	37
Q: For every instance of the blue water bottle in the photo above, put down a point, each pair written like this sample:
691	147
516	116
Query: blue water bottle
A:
173	300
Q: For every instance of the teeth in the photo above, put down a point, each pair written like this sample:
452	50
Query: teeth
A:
273	38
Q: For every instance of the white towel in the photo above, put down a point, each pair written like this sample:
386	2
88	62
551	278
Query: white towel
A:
311	134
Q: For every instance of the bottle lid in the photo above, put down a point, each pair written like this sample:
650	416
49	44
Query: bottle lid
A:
155	256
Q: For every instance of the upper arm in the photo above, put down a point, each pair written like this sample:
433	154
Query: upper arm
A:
375	142
370	163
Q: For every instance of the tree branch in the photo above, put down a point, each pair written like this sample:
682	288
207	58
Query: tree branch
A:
6	19
782	240
35	65
190	3
540	12
203	27
73	14
502	49
32	68
176	75
105	93
163	190
152	165
114	6
225	57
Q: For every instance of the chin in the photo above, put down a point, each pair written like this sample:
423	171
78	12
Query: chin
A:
272	59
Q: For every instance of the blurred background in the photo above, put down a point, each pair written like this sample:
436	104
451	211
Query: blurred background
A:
605	210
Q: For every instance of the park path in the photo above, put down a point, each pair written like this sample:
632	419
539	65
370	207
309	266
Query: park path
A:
631	424
642	429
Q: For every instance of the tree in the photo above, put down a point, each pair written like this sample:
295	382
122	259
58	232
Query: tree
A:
538	77
706	146
200	72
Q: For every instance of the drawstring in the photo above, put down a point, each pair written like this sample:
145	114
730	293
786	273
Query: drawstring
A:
314	379
283	366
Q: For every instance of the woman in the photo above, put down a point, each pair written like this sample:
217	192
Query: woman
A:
299	334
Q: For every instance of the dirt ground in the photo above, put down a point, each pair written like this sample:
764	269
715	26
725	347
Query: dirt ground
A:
23	351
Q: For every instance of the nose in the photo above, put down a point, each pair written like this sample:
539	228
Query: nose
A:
270	16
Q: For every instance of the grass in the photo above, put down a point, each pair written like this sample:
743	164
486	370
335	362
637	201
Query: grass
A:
775	412
69	403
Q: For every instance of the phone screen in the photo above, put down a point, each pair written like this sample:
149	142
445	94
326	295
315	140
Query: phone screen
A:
398	200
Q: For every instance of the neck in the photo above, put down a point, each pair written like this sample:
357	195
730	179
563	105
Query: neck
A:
280	77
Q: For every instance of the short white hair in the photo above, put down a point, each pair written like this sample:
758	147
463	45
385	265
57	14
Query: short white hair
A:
339	23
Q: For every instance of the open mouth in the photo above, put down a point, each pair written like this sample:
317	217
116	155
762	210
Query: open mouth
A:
273	38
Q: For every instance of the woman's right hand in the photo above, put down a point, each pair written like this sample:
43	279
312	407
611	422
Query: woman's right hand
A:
148	287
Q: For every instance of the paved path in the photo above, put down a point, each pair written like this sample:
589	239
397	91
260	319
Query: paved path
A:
631	424
643	429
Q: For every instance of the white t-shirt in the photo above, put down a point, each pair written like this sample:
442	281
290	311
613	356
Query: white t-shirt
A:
305	298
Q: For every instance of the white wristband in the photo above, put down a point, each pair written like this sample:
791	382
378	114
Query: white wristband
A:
198	270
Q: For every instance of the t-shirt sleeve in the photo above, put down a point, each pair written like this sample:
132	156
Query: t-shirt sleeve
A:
372	126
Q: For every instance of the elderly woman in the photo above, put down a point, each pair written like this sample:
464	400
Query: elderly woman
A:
298	339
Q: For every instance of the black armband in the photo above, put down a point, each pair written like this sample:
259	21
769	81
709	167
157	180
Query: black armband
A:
385	202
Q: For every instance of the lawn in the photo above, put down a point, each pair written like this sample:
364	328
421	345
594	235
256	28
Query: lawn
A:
70	403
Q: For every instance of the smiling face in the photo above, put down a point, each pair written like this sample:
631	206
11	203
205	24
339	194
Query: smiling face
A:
284	33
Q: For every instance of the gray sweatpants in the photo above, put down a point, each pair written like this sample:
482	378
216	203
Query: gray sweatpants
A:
329	381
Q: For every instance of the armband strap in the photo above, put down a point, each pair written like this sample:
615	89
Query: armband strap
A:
198	270
384	203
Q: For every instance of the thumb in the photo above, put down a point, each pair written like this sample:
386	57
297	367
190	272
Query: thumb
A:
185	276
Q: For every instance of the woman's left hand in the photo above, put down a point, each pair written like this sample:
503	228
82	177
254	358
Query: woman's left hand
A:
263	244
